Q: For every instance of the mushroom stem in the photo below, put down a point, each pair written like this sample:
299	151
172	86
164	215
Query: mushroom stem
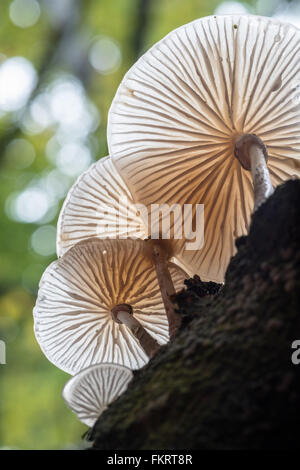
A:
261	178
122	313
167	288
252	154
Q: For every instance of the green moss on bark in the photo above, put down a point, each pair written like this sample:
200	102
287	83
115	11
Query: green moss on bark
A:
227	380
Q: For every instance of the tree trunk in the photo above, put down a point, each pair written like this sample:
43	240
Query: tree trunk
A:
227	380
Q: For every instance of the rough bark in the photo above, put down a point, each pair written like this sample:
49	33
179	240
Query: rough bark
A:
227	381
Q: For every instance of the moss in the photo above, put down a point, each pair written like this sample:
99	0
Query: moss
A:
227	380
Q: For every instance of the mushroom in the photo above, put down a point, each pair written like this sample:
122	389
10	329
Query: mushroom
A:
89	392
100	205
200	109
100	302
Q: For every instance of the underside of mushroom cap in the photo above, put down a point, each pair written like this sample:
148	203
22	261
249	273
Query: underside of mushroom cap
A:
72	318
90	391
179	110
98	205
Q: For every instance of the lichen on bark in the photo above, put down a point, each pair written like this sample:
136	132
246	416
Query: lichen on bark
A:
227	380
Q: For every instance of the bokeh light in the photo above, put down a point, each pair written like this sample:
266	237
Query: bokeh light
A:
232	8
20	153
17	80
51	149
24	13
73	112
73	159
57	183
289	15
43	240
105	55
66	100
40	112
28	206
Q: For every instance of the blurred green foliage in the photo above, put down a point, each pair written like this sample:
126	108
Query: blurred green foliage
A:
58	44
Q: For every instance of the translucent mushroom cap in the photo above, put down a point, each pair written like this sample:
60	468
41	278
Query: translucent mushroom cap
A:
179	110
72	319
90	391
98	205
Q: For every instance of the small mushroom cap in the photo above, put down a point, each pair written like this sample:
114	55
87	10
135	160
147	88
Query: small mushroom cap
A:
72	318
90	391
177	114
98	205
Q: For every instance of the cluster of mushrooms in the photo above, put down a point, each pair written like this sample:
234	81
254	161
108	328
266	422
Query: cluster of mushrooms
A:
210	115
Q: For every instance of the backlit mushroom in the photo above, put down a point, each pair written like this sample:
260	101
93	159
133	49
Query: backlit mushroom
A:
100	302
100	205
218	88
89	392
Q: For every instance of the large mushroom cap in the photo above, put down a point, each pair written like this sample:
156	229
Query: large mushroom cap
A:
98	205
179	110
72	318
90	391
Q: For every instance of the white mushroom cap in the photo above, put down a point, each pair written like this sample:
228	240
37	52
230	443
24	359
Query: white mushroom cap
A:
90	391
98	205
72	318
179	110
